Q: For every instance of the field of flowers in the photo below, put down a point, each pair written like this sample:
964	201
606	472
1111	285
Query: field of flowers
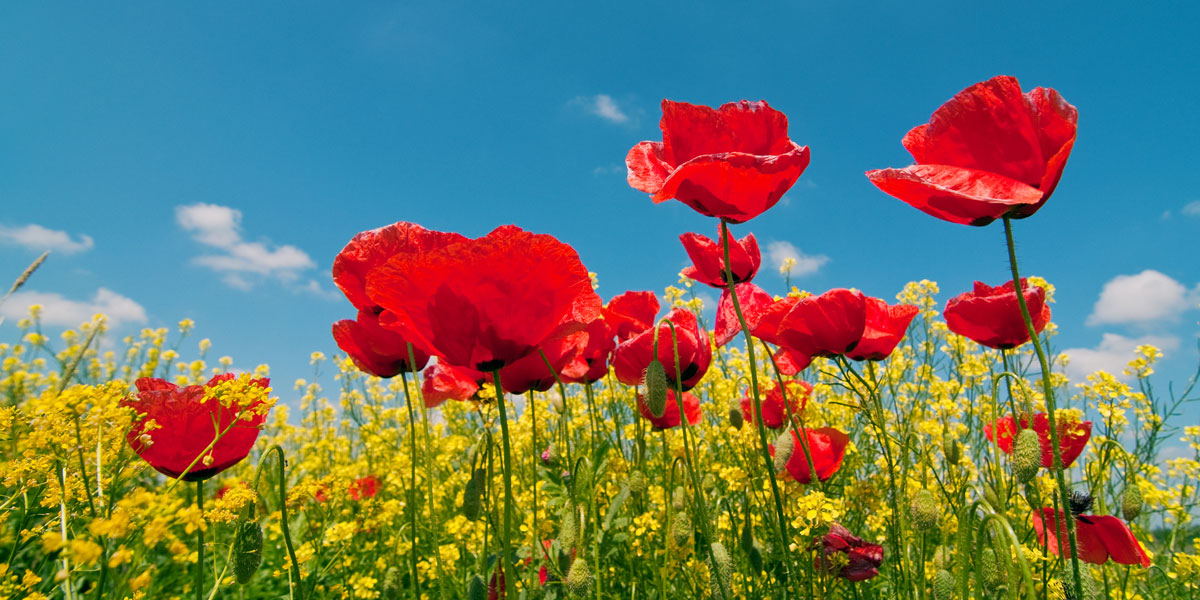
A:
498	430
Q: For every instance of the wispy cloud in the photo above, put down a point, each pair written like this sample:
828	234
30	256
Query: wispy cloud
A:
60	311
242	264
805	264
1191	209
1144	298
603	106
1112	354
36	238
613	169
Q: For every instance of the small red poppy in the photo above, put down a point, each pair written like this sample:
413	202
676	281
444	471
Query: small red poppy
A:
630	313
775	414
753	301
845	322
733	162
530	373
670	416
989	152
827	446
375	350
1072	437
364	487
1097	537
371	249
186	423
444	382
764	324
862	559
632	356
488	302
708	259
992	317
595	353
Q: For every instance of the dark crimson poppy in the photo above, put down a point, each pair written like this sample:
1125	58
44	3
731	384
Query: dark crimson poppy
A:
862	559
670	417
371	249
444	382
496	589
764	324
708	259
753	301
530	373
185	424
632	356
375	350
845	322
1097	537
775	414
630	313
364	487
733	162
991	315
488	302
595	353
989	152
827	446
1073	436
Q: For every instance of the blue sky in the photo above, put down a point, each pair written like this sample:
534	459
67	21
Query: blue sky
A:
288	127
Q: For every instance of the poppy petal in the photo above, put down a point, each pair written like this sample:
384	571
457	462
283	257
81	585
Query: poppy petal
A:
753	301
964	196
734	186
646	170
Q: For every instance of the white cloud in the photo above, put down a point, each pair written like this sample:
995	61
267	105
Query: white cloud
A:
806	264
1191	209
613	169
1143	298
39	239
1112	354
603	106
60	311
241	262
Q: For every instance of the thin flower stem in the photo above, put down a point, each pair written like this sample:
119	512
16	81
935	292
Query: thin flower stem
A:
412	491
1050	405
505	550
200	541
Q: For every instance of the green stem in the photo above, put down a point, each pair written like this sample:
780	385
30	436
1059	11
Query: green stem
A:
505	550
200	541
412	491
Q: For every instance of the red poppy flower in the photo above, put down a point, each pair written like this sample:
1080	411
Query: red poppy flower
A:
842	321
185	423
632	356
670	417
1073	436
733	162
990	151
364	487
488	302
447	382
862	559
594	354
753	301
496	588
530	373
775	414
764	324
1097	537
827	446
991	315
371	249
630	313
708	259
375	350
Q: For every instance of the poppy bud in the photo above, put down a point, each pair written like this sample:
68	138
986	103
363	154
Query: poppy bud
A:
656	388
1131	501
678	498
943	585
247	550
924	510
551	455
756	557
1027	455
953	452
472	494
941	557
637	482
747	540
993	498
784	445
579	578
391	585
476	590
568	528
994	571
681	529
720	572
735	417
1088	585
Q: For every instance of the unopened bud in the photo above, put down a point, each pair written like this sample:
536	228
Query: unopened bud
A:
784	445
247	550
1131	501
953	453
473	493
1027	455
756	557
735	417
656	388
943	585
925	511
579	578
942	558
637	482
993	570
678	498
681	529
392	587
747	539
720	572
568	529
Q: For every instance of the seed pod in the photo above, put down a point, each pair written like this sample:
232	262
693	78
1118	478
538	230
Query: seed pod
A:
943	585
472	494
735	417
747	540
477	590
925	511
247	550
953	452
720	572
1027	455
637	482
993	570
678	498
579	578
656	388
989	494
568	528
756	557
681	529
1131	501
784	445
391	585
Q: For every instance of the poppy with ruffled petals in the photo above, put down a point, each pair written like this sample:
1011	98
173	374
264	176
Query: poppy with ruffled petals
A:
444	382
1073	436
594	353
364	487
753	301
670	416
485	303
989	152
1097	537
375	350
630	313
185	423
861	559
992	317
774	413
371	249
531	373
827	446
732	162
708	259
632	356
764	323
845	322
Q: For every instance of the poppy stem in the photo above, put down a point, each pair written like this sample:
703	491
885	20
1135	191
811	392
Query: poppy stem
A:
505	550
1048	388
412	491
200	541
768	462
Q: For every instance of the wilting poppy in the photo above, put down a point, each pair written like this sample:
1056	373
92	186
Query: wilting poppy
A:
670	416
179	423
371	249
487	302
531	373
364	487
827	446
594	353
444	382
764	324
375	350
1073	436
732	162
989	152
1097	537
845	322
991	315
708	259
774	413
753	301
861	559
632	356
630	313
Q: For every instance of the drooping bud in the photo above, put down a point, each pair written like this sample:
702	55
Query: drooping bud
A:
1027	455
681	529
579	578
784	445
1080	502
473	493
756	557
656	388
1131	501
942	558
392	589
747	539
637	482
953	452
247	550
678	498
477	589
735	416
993	498
943	585
568	528
925	511
720	572
993	570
